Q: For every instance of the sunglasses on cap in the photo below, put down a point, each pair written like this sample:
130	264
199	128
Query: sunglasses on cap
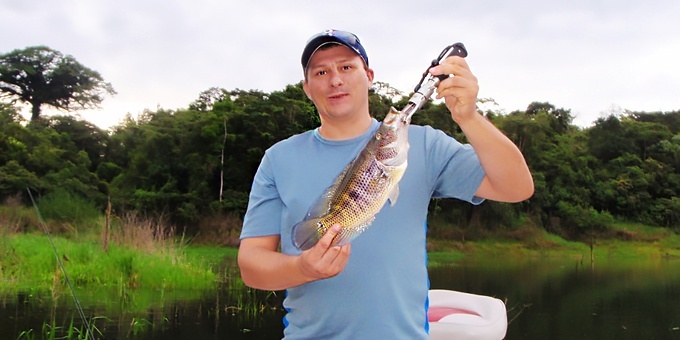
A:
332	36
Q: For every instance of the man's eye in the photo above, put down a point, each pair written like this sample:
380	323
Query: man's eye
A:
347	67
320	73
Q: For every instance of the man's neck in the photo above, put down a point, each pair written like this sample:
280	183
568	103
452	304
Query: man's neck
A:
346	129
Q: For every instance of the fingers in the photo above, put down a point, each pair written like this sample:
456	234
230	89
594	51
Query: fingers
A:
452	65
463	78
327	239
324	260
339	257
459	91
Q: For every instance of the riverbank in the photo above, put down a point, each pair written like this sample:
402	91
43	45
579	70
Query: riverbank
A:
28	260
622	241
138	291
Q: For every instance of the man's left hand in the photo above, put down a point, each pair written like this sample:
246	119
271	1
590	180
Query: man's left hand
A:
459	91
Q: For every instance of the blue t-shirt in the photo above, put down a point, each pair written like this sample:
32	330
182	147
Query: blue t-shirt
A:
382	292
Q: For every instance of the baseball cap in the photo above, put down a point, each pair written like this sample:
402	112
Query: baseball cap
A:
332	36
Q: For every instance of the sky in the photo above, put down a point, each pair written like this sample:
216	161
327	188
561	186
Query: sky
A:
593	57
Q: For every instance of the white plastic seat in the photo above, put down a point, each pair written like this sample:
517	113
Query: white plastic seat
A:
456	315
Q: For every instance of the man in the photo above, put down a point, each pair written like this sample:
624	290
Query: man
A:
376	287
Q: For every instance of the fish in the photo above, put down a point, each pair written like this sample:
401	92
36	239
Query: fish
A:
361	190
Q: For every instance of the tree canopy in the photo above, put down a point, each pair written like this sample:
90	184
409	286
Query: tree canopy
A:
39	76
191	164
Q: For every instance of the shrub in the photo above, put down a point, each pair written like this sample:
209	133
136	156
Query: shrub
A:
15	218
63	206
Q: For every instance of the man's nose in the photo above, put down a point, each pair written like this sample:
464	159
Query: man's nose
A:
336	79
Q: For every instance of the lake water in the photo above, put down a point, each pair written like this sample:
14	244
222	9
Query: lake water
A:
569	300
546	299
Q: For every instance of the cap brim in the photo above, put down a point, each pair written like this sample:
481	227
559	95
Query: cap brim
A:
315	44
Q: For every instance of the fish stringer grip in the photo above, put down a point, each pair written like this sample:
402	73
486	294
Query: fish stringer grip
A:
428	83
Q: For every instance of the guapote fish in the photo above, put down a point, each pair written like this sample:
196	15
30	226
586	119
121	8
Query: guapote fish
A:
362	189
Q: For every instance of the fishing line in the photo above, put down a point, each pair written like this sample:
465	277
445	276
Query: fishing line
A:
61	265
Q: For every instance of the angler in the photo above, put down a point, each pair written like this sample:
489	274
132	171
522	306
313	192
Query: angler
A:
375	286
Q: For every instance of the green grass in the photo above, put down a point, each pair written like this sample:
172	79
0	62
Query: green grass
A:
145	268
637	241
210	254
27	260
622	241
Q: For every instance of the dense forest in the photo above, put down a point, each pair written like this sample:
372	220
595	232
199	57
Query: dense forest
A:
197	164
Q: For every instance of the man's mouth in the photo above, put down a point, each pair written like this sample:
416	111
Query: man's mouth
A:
337	96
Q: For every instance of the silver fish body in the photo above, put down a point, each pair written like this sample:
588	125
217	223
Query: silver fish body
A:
363	187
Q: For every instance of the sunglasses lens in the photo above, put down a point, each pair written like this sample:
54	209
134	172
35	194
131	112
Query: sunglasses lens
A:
348	37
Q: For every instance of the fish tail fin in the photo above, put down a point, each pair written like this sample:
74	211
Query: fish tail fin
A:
306	234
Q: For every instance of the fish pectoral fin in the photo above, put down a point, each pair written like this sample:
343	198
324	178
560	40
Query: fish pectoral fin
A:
346	235
394	195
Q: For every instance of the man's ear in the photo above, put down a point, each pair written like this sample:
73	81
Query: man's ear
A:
370	74
304	88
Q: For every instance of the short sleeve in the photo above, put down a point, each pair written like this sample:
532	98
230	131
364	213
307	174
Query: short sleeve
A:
454	168
263	217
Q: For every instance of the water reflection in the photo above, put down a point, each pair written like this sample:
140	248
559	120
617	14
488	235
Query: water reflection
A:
144	314
564	299
546	299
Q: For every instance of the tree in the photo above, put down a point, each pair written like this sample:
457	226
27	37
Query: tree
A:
84	136
40	75
560	118
207	99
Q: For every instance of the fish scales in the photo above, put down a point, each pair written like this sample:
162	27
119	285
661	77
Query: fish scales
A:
363	187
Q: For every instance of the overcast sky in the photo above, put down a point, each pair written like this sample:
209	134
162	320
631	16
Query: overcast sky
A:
589	56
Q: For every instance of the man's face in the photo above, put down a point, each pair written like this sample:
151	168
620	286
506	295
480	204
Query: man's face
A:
337	81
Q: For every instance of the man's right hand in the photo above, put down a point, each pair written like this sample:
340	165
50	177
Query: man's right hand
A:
323	261
263	267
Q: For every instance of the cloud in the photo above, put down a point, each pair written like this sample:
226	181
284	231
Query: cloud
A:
580	55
